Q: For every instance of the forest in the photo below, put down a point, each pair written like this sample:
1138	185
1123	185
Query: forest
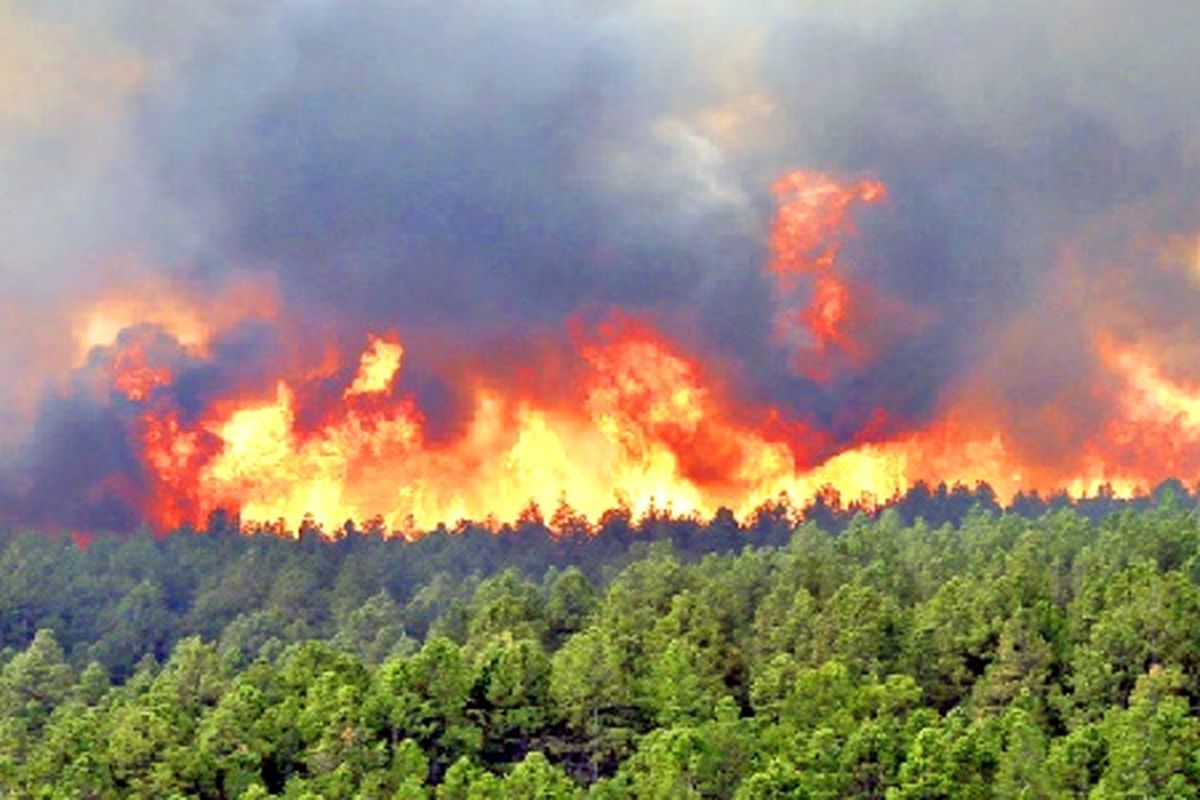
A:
942	646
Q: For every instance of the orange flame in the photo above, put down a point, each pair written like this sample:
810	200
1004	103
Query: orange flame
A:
813	219
133	375
651	436
378	367
634	420
827	313
807	234
651	431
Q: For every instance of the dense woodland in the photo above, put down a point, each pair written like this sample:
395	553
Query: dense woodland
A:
943	647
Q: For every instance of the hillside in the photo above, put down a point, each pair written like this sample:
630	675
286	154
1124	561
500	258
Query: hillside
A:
1004	656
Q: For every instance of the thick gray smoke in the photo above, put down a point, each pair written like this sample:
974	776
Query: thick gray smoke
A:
472	174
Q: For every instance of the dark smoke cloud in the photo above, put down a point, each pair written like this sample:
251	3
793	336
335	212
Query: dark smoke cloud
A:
469	173
1006	134
439	167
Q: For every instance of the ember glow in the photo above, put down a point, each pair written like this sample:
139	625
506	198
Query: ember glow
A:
294	263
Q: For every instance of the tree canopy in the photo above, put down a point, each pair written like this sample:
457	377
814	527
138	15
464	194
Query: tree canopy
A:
1004	655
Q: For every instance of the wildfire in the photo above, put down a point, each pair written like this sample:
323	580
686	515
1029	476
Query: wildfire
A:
642	423
1152	397
377	368
808	232
652	434
134	376
813	220
827	313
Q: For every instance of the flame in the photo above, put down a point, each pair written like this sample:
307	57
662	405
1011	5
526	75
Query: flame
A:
1151	397
807	234
133	375
378	367
634	419
269	470
652	430
813	219
172	453
826	316
652	436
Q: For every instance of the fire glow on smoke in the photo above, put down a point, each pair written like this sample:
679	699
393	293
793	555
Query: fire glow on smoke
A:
635	419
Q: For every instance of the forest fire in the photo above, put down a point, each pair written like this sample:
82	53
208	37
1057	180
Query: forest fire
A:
822	317
644	424
647	434
574	400
487	288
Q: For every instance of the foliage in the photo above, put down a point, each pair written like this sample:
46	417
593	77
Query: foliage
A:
1005	656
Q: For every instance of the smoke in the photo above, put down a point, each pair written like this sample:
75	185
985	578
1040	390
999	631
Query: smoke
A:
486	179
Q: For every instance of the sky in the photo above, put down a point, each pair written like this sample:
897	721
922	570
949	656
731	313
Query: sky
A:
488	177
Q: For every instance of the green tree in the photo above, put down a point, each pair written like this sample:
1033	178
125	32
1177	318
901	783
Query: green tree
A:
140	624
424	697
33	684
592	693
375	630
535	778
514	684
570	599
1153	745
